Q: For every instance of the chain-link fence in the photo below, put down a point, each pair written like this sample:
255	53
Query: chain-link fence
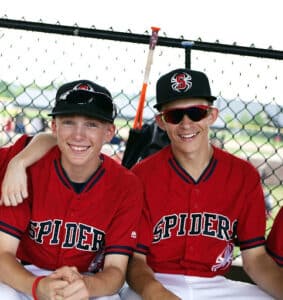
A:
36	58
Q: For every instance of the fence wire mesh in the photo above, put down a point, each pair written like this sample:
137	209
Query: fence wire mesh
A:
34	64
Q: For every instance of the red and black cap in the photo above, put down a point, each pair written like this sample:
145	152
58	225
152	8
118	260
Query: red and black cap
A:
84	97
182	84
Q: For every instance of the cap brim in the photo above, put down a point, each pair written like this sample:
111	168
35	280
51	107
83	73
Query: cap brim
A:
208	98
80	112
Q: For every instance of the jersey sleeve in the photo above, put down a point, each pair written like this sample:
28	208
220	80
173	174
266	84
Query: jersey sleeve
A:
144	233
122	235
252	221
274	240
15	219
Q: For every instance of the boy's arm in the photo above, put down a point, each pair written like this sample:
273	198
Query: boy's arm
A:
14	185
141	279
13	273
111	279
106	282
263	271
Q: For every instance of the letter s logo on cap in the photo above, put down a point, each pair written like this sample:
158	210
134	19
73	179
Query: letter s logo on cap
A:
181	82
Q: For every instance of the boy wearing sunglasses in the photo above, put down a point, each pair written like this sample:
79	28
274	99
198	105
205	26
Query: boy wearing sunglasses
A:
199	200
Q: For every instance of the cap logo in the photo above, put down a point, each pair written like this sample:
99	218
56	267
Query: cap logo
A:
78	87
86	98
83	86
181	82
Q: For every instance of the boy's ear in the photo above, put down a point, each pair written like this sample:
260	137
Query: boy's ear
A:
110	132
53	126
213	115
159	121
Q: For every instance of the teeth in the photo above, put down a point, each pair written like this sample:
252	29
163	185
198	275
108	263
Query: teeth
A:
188	136
79	148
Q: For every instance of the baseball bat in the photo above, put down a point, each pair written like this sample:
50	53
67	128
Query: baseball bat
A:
152	43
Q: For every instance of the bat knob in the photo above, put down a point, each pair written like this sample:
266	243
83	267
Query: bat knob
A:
155	28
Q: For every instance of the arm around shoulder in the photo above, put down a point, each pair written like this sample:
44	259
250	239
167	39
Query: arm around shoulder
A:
14	184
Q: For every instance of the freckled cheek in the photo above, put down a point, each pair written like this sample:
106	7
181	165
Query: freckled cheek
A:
171	134
65	134
205	127
96	140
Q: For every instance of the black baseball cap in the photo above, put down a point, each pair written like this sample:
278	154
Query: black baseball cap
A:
84	97
182	84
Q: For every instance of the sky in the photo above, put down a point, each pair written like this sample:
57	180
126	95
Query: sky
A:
245	22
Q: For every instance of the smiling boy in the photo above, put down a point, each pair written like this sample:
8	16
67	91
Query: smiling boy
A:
73	235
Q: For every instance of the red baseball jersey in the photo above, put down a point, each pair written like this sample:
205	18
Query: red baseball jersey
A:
274	240
190	227
58	226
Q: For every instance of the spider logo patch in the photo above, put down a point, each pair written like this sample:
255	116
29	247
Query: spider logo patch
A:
181	82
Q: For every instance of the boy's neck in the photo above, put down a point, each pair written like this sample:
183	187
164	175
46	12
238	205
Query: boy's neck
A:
80	174
196	162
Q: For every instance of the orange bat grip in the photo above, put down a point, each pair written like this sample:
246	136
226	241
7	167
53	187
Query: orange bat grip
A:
139	114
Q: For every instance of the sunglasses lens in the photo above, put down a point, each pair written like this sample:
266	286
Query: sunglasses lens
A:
194	113
173	116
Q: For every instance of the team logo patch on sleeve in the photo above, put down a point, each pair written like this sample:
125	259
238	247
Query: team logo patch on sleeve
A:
97	263
224	259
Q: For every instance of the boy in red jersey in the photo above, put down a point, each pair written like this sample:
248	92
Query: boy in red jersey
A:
71	238
199	200
274	239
